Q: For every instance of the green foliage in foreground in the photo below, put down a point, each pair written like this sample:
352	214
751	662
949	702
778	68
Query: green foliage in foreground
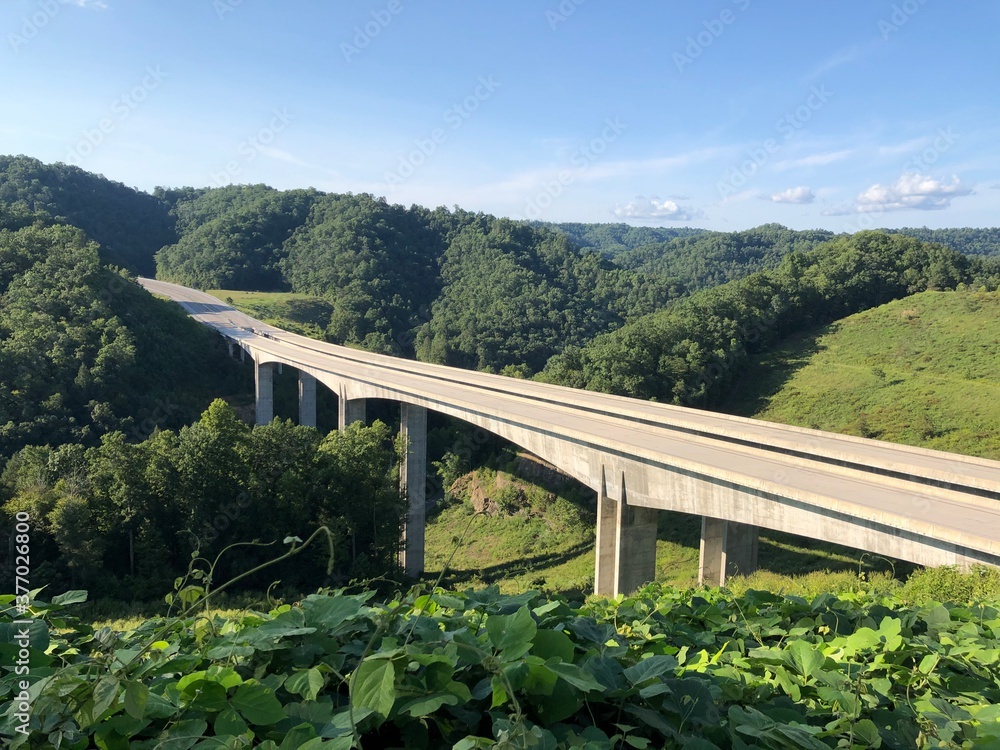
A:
663	668
920	371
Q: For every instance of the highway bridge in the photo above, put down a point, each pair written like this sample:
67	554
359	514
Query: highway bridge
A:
739	475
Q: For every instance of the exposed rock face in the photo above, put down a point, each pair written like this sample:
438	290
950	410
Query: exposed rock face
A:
540	472
504	494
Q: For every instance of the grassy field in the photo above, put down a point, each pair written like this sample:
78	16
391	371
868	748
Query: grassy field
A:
299	313
545	542
924	371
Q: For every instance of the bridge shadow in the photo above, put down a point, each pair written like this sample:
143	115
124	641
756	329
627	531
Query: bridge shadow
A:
785	554
770	372
494	573
788	554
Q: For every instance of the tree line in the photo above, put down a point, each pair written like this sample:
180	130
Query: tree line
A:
122	518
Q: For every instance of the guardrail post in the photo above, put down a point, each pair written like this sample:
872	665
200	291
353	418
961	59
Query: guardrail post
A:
307	399
727	548
413	478
264	391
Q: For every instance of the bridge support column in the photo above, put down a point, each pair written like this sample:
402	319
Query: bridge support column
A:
264	391
350	410
307	399
413	478
232	348
727	548
626	545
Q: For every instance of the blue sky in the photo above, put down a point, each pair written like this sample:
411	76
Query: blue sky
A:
723	114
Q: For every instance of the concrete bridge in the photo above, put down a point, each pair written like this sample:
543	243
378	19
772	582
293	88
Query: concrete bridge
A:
739	475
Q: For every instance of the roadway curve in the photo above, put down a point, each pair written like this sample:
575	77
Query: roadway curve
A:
946	506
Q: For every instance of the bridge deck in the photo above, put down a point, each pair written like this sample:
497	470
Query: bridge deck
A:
942	496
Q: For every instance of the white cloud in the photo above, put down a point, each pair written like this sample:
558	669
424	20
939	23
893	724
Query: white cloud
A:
801	194
912	191
654	208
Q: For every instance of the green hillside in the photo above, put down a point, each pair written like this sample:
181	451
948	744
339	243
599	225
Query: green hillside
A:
921	370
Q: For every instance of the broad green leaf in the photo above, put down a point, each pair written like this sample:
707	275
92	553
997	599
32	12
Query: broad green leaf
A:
862	639
182	735
804	658
230	722
207	696
374	686
228	651
499	692
428	704
692	699
650	668
298	737
136	697
70	597
839	700
559	705
307	683
104	693
552	643
188	680
329	612
257	704
575	676
340	724
866	731
225	676
937	618
511	631
928	663
158	707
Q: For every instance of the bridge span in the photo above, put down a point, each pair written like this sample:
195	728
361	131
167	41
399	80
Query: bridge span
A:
928	507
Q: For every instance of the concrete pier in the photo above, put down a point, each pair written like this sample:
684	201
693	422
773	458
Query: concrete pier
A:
264	391
350	410
307	399
413	481
626	544
727	549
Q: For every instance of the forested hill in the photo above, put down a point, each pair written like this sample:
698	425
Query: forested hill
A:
712	258
695	350
612	239
129	225
84	351
470	289
965	240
